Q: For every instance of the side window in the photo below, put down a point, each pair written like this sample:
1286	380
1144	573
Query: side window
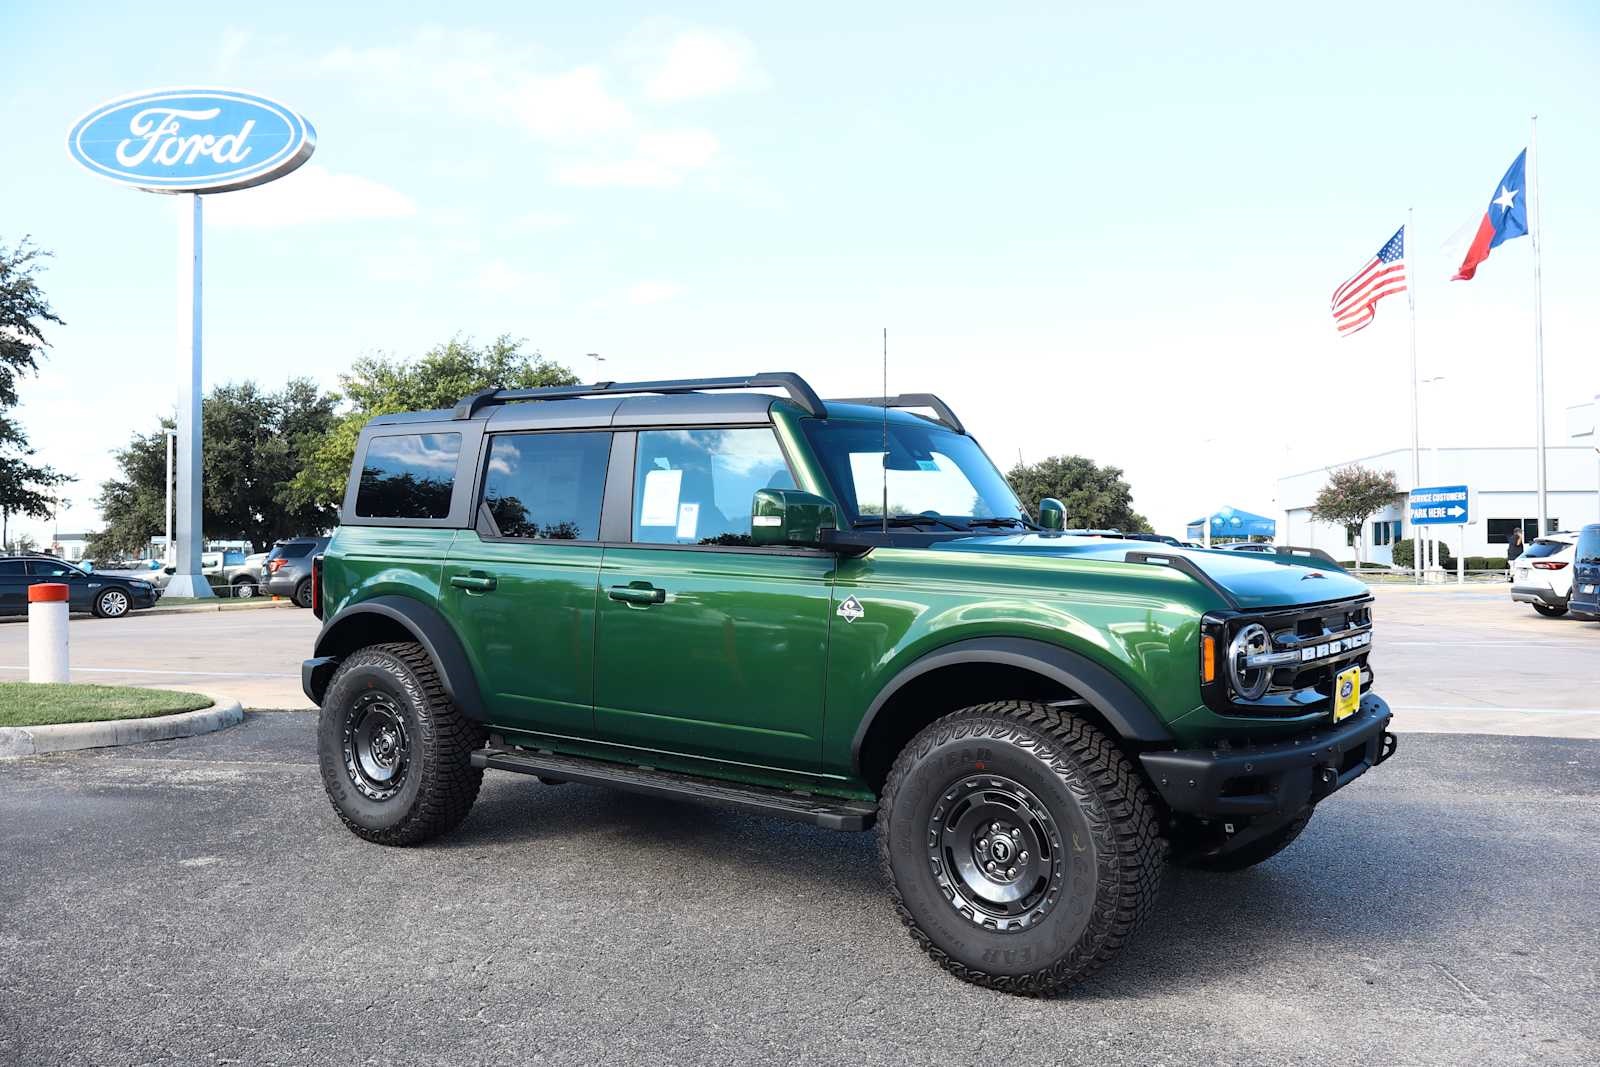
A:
12	568
408	476
693	487
46	569
547	486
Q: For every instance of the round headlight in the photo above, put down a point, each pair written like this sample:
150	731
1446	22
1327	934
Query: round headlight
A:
1249	683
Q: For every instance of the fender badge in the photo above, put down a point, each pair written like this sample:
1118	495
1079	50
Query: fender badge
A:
850	610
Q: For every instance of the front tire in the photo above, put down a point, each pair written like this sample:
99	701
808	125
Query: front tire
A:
244	590
1020	845
112	603
1550	611
394	751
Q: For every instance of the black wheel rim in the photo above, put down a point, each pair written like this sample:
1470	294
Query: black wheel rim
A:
114	603
995	851
377	746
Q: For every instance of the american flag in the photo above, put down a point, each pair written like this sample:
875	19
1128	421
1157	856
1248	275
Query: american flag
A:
1382	275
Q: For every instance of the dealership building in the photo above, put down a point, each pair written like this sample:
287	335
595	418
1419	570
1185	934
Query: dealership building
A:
1503	482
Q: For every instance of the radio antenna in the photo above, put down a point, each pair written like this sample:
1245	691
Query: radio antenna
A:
885	430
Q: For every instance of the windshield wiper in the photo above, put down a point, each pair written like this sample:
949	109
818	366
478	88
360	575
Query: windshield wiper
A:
975	524
907	520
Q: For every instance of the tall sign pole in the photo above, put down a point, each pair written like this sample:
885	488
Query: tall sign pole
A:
1535	209
1416	431
190	142
187	581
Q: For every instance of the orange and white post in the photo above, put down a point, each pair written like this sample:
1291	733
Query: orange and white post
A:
47	632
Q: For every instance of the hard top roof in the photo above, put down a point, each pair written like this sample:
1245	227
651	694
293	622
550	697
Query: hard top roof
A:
702	400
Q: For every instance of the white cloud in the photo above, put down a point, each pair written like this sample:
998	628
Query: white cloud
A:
502	279
659	161
653	292
541	220
471	74
311	194
693	63
566	106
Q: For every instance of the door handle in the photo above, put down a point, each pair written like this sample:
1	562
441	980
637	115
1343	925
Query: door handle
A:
473	583
637	594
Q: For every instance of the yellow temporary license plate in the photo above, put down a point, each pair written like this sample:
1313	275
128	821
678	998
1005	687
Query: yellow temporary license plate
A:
1346	694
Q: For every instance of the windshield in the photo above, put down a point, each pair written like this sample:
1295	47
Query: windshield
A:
927	470
1589	545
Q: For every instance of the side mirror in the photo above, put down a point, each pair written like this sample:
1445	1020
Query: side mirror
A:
1052	515
789	518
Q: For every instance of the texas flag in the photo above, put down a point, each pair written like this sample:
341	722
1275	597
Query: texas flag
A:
1506	218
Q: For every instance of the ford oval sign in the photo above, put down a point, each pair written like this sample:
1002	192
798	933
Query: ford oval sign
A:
192	140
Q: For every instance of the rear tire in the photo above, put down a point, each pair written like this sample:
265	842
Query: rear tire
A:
394	751
1256	852
244	589
302	593
1062	810
1550	611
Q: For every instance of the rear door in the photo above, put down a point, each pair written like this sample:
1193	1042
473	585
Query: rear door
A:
708	645
520	586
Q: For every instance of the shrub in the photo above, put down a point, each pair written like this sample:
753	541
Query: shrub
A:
1405	554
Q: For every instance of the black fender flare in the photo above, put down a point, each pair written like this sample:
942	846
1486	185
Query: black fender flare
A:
1123	709
426	625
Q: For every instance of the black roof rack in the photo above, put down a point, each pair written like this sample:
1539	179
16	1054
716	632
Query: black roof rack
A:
800	392
911	400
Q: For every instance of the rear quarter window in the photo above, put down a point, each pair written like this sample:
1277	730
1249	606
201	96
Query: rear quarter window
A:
408	476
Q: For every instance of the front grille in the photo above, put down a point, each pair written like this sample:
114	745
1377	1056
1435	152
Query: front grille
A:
1309	647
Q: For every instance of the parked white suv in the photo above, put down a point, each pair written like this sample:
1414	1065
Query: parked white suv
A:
1542	575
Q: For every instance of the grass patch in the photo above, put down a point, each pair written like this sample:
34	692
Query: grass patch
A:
26	704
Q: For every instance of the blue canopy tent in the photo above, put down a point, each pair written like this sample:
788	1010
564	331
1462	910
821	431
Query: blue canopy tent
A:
1233	522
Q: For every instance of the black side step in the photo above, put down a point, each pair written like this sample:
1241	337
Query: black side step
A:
831	813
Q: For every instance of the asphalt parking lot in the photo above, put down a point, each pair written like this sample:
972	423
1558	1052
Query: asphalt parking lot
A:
196	901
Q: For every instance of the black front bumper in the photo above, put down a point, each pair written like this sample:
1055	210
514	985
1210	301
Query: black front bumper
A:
315	674
1281	777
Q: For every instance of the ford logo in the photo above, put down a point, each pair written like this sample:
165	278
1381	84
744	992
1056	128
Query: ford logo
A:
192	140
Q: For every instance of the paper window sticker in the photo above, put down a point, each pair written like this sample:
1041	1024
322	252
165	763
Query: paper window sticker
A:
688	521
660	506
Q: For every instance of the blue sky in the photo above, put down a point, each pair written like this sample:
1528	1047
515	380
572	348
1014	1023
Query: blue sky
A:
1108	231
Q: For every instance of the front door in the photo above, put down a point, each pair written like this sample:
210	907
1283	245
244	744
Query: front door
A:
521	586
14	582
707	645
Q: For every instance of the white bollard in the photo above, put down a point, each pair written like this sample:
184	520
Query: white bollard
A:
47	632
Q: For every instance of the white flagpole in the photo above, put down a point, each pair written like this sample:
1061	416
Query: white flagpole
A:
1535	208
1416	434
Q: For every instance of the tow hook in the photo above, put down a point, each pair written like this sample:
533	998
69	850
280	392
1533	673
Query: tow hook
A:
1324	780
1386	747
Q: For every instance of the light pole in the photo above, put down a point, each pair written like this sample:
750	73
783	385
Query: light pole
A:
166	548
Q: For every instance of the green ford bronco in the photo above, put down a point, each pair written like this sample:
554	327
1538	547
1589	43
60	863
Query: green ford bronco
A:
835	611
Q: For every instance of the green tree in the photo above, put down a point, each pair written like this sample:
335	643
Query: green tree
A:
1351	495
255	444
24	485
381	385
1096	497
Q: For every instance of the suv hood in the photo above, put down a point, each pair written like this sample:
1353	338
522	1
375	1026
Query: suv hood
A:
1254	580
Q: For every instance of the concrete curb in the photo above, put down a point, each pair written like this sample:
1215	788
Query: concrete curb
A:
221	605
67	737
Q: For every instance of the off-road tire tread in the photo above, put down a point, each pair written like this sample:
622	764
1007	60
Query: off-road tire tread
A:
445	741
1253	853
1059	740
